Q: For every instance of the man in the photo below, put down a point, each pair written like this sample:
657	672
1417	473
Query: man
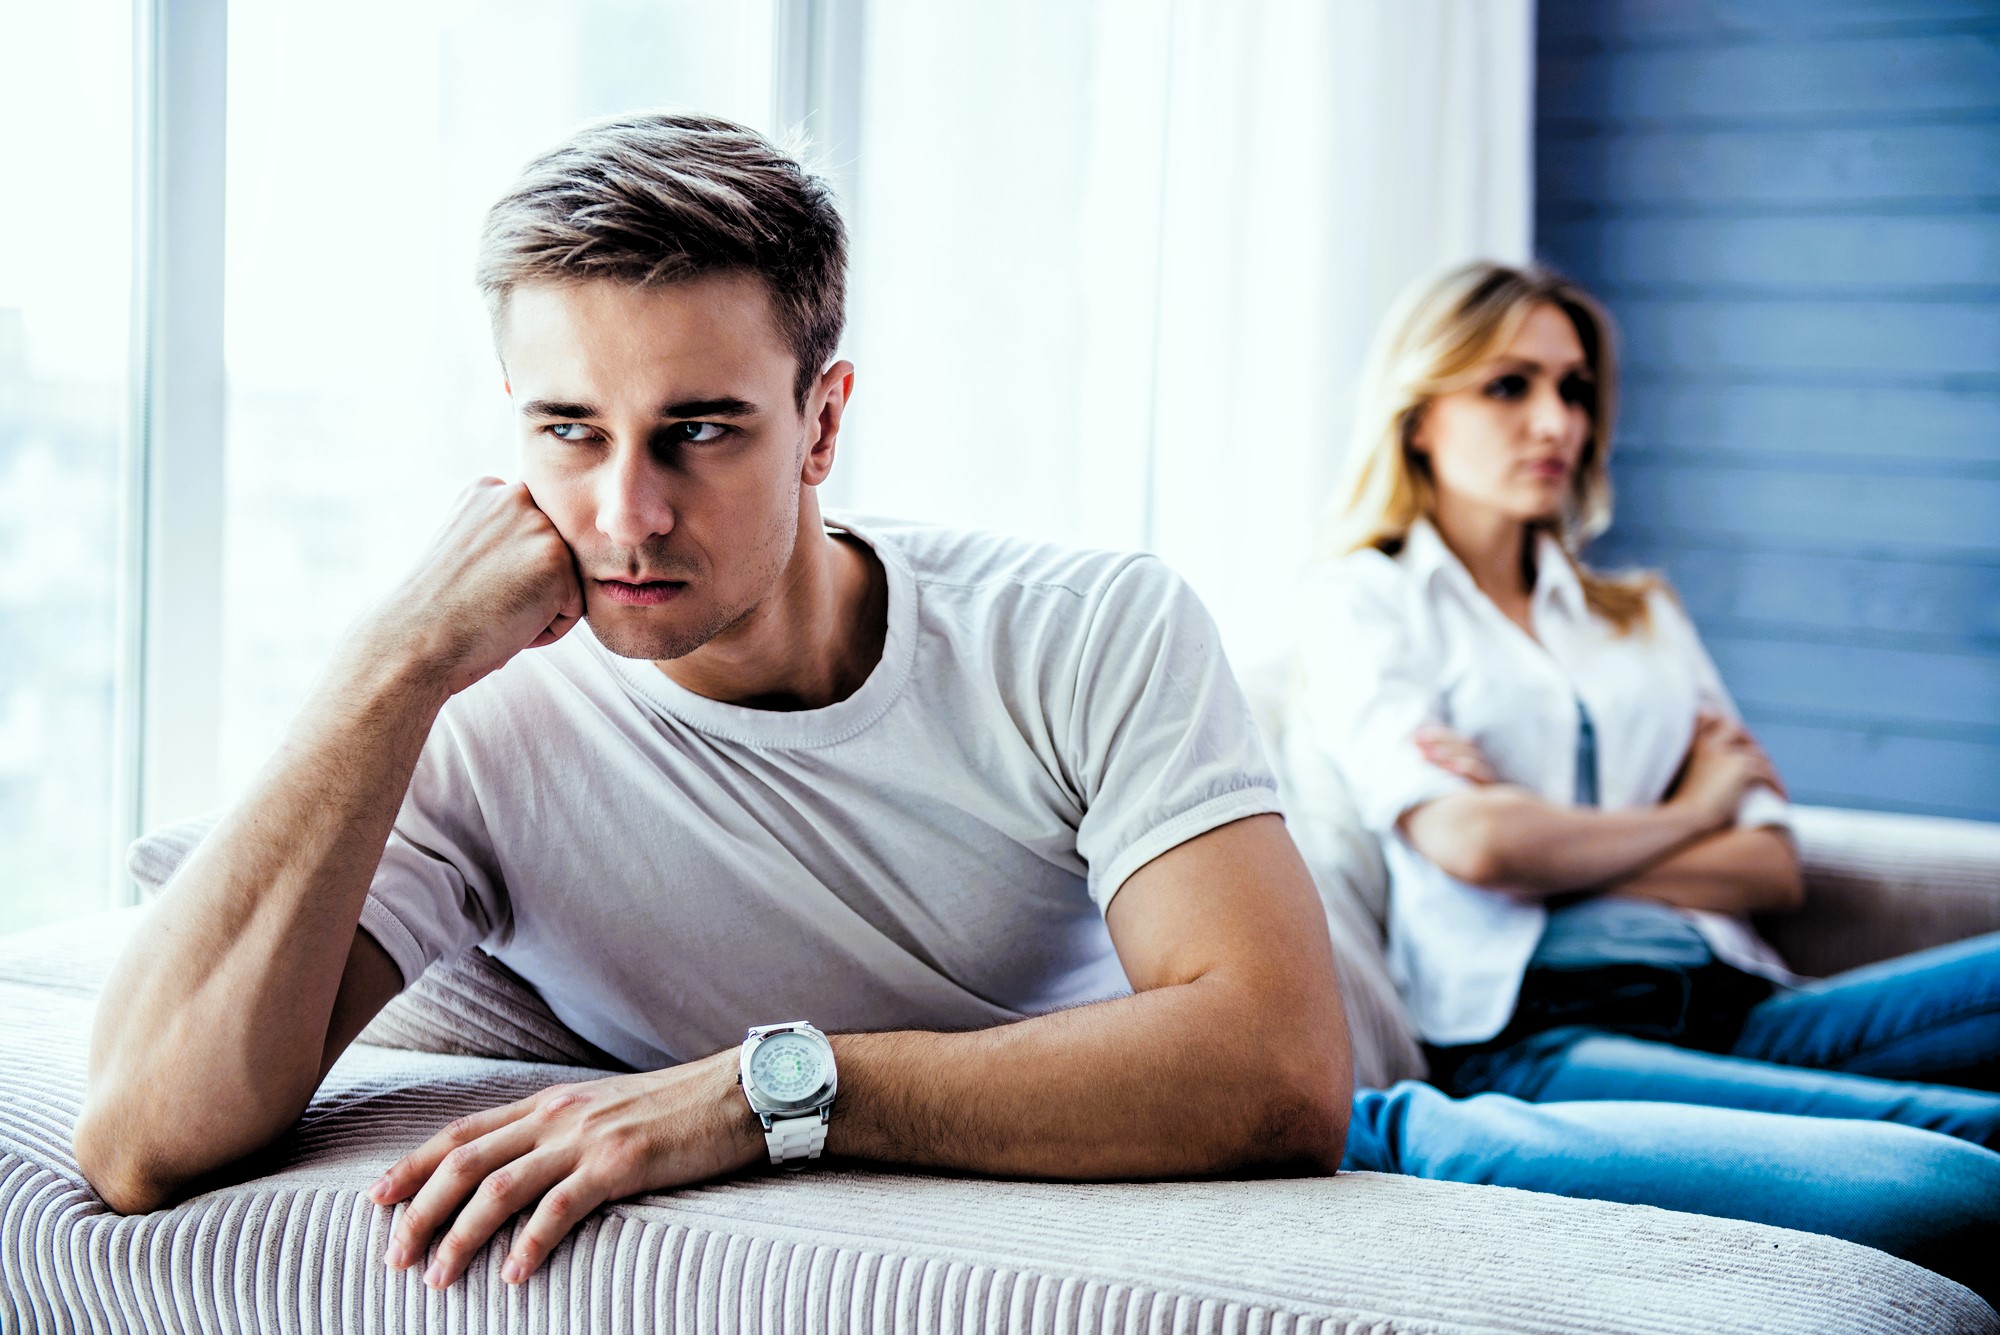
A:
695	762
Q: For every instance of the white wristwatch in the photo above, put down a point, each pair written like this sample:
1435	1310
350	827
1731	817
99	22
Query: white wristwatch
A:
787	1074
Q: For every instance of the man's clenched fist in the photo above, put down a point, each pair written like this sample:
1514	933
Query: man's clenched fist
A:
498	579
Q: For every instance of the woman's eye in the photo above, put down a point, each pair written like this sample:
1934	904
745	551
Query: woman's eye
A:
1507	387
698	433
1576	389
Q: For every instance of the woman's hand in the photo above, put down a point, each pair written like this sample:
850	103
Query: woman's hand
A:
1723	762
1448	751
571	1148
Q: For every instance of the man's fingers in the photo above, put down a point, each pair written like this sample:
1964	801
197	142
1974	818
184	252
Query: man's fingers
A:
456	1180
455	1176
564	1204
507	1190
558	628
414	1169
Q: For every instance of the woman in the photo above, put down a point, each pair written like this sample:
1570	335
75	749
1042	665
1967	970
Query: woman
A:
1576	824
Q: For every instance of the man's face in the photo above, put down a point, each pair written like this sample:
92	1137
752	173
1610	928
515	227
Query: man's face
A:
661	436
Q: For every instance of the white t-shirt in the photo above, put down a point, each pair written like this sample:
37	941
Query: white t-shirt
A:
934	852
1389	644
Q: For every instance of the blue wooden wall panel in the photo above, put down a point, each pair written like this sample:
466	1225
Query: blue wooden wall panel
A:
1927	426
1566	23
1846	599
1953	690
1844	77
1840	764
1939	517
1905	340
1792	207
1625	171
1921	256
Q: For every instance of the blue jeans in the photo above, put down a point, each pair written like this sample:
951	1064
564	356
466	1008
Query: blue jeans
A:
1914	1040
1928	1198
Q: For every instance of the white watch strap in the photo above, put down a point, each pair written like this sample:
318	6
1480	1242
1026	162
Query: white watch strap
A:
796	1137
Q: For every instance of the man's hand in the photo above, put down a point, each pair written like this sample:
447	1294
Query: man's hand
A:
1449	751
498	579
565	1151
1723	762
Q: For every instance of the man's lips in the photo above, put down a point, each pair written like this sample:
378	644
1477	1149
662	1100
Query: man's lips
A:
641	593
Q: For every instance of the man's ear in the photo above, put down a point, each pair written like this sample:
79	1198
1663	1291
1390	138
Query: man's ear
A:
827	403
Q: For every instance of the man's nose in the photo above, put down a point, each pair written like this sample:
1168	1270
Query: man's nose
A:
634	503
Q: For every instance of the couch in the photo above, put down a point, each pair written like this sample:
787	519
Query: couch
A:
293	1244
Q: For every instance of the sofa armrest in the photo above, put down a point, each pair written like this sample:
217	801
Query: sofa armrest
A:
1880	885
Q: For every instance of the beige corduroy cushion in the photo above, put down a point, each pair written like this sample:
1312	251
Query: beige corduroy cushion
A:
298	1248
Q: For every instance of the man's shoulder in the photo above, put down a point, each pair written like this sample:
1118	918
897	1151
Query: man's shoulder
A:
942	558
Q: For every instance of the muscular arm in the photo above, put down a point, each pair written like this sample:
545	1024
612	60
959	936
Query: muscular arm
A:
226	1001
250	975
1231	1055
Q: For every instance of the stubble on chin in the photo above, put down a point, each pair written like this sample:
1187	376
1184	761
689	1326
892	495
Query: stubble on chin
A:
655	644
662	644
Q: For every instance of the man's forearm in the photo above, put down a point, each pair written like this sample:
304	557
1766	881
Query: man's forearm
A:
1190	1079
219	1032
1734	871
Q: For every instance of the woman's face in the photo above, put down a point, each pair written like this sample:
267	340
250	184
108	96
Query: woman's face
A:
1512	440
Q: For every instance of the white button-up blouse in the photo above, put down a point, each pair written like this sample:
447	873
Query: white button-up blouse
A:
1389	644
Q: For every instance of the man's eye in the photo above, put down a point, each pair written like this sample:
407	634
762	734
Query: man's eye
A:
698	433
1507	387
562	430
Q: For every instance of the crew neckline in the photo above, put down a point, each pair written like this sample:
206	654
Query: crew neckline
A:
794	727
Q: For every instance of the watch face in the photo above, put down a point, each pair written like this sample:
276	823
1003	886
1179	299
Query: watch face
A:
788	1067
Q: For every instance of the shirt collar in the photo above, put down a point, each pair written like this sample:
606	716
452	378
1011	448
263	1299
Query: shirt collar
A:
1426	556
1555	574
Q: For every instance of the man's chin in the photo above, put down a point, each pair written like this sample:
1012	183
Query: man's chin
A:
630	637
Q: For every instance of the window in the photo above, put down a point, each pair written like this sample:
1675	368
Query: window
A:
65	283
366	141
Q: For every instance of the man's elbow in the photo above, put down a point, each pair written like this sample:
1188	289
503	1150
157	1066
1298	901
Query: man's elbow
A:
1306	1114
121	1178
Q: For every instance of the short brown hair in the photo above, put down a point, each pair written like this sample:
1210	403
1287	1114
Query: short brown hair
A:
658	198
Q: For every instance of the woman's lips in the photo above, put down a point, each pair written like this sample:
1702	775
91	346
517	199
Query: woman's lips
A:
650	593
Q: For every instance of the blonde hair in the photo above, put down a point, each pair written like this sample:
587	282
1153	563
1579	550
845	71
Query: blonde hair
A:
1434	340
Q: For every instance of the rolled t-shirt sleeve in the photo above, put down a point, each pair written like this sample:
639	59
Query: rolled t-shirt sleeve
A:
435	893
1368	679
1161	742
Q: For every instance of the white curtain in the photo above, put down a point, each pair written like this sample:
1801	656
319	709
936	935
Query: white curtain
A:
1117	261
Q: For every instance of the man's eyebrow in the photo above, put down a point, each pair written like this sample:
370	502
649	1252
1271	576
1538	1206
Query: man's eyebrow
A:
556	408
726	406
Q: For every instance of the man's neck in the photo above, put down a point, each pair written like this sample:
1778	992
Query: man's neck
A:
812	642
